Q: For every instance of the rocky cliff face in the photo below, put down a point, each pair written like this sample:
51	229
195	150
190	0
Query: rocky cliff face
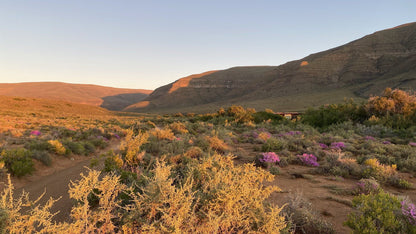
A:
363	67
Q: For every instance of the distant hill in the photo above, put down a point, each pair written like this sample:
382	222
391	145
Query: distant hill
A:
358	69
107	97
21	105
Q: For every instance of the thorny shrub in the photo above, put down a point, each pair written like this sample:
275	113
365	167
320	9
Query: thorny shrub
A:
215	197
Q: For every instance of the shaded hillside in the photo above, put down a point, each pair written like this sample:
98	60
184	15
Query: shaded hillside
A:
16	105
107	97
358	69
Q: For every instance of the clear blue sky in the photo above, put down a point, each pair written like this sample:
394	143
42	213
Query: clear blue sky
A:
146	44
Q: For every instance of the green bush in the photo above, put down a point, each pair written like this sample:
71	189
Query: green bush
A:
74	147
303	218
4	219
42	156
376	213
18	161
273	145
335	114
99	143
89	148
261	116
40	145
274	170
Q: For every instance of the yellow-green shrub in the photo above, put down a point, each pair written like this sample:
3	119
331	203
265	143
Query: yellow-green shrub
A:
378	170
36	219
178	127
130	147
161	134
57	147
194	152
216	197
216	143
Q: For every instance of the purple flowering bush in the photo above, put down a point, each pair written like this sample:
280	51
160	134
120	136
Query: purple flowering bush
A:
323	146
337	145
35	133
369	138
308	159
367	186
269	157
409	211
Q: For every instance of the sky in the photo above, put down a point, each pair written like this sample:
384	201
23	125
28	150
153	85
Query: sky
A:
147	44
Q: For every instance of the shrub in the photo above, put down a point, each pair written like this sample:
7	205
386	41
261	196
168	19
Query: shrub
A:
367	186
99	142
298	211
40	145
240	114
217	144
274	170
409	211
161	134
178	128
57	147
194	152
392	102
263	136
262	116
334	114
18	161
36	219
377	213
42	156
89	148
74	147
378	170
273	144
217	197
130	147
308	159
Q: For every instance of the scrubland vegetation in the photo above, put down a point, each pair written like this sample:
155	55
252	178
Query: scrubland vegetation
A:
185	173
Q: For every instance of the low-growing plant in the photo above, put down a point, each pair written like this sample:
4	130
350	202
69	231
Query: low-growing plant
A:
194	152
130	147
409	211
41	145
89	148
217	144
162	134
229	199
378	170
57	147
302	218
74	147
18	161
178	128
273	144
308	159
42	156
367	186
378	213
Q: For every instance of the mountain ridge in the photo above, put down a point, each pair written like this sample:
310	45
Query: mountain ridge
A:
96	95
356	69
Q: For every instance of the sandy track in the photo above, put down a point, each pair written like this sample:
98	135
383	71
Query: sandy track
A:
56	185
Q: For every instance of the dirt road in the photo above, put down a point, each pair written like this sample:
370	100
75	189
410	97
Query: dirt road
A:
56	185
